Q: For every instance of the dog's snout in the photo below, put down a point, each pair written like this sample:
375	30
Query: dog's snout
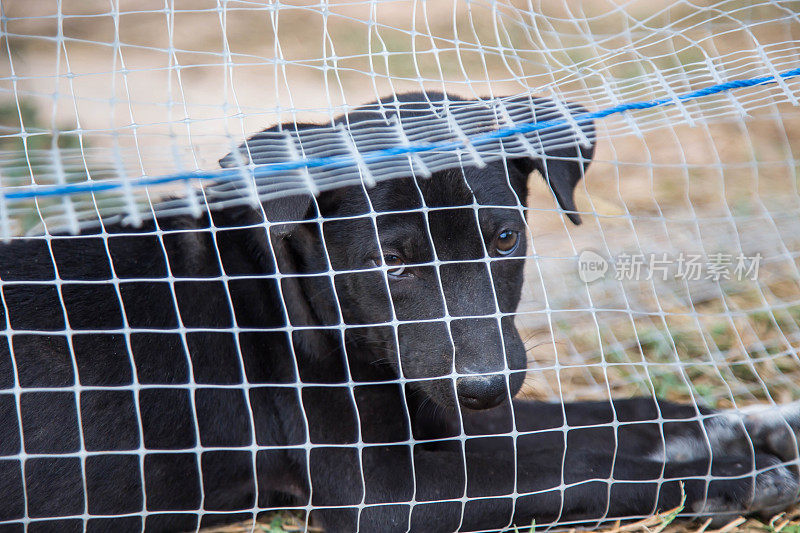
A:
481	391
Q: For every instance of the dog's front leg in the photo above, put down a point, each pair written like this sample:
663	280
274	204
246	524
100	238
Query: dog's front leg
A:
730	462
492	487
600	465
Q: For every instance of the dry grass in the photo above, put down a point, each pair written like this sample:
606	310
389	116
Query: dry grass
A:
662	522
278	522
666	522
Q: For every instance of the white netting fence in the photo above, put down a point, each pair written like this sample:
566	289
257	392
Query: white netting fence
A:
200	331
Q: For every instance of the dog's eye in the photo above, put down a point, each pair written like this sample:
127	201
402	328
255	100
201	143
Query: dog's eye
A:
395	264
507	242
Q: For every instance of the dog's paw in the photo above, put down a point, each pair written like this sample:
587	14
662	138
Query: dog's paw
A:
776	487
775	430
767	429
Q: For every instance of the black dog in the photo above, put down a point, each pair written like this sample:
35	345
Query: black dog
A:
196	371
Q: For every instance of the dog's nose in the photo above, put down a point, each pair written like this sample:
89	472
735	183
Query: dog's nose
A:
481	391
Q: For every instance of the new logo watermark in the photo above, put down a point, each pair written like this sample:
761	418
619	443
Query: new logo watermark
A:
682	266
591	266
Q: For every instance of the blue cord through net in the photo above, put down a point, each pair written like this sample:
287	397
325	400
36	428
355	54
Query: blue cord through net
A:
259	171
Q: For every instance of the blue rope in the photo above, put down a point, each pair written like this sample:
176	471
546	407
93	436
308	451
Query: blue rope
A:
271	169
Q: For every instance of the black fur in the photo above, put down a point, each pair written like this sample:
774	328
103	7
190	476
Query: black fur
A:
206	384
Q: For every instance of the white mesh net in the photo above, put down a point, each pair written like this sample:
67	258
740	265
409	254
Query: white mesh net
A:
311	330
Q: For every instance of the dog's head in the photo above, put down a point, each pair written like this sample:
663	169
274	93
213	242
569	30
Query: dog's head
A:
427	272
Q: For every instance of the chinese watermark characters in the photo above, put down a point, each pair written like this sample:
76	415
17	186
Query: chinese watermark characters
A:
662	266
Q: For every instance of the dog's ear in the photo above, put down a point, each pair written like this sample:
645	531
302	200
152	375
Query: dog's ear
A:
297	244
261	149
565	153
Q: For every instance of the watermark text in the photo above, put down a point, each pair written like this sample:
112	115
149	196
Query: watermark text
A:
662	266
